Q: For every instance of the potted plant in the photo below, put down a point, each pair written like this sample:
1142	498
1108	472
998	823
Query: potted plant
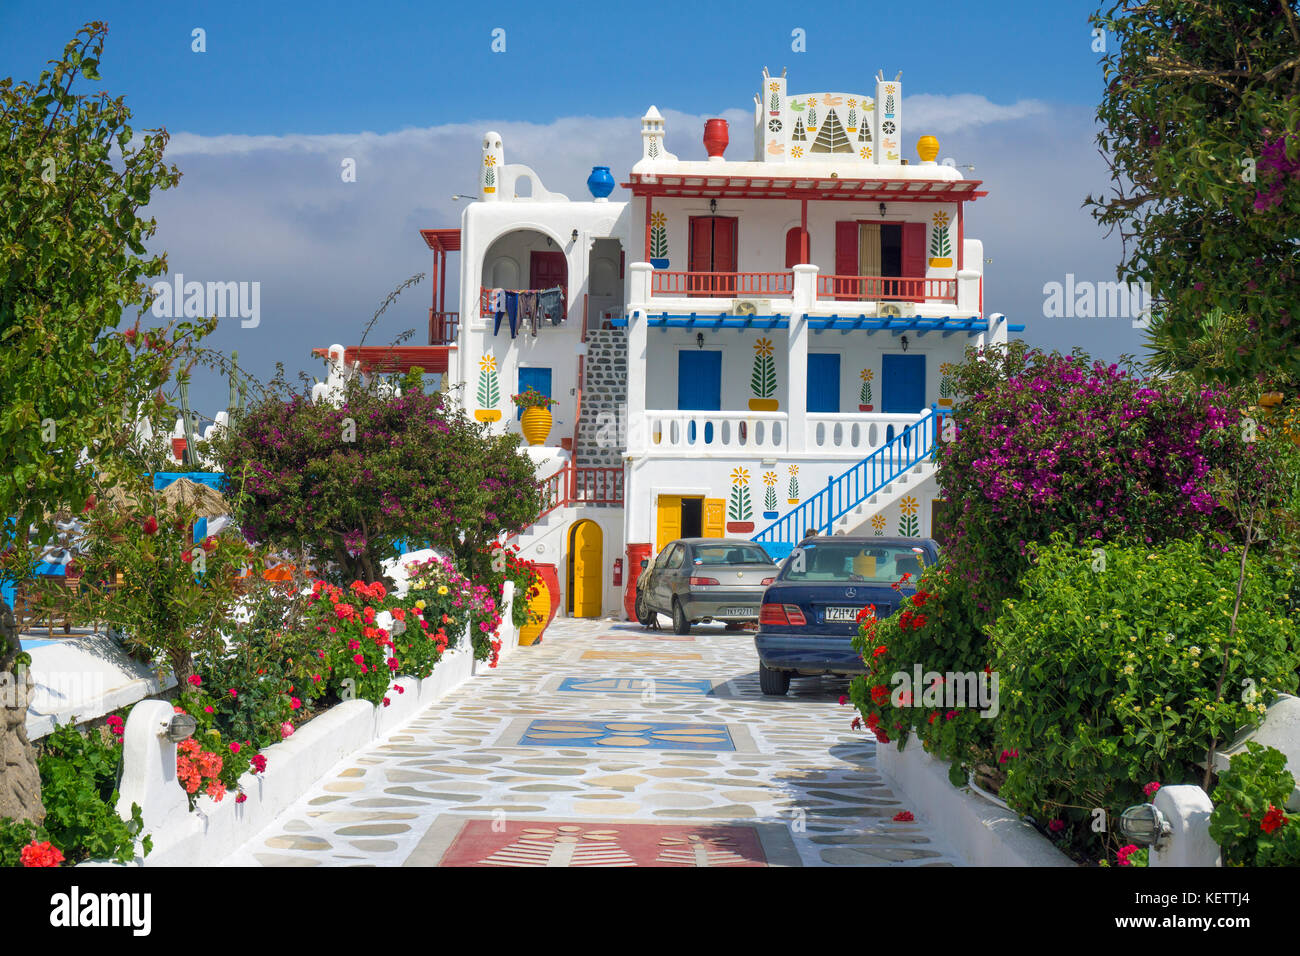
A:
864	394
536	419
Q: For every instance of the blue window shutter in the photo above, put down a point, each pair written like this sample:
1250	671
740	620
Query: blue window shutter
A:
902	384
824	382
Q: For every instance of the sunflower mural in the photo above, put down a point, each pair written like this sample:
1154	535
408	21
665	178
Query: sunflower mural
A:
490	174
792	488
940	246
878	525
947	390
740	513
763	381
770	478
907	522
864	393
853	116
489	390
659	240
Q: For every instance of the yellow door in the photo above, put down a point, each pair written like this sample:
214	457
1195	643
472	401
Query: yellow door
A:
715	512
586	569
668	524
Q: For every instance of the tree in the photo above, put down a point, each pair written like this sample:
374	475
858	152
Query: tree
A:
73	177
1200	129
352	481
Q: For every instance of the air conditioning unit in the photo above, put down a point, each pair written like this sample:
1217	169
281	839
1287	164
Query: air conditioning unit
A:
752	307
888	310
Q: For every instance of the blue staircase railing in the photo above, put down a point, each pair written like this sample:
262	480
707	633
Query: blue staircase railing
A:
845	492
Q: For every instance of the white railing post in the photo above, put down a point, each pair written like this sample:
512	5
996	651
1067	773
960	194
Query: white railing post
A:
638	437
1186	808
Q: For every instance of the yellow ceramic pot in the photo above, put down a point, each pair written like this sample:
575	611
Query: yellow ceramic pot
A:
927	147
536	425
764	404
488	414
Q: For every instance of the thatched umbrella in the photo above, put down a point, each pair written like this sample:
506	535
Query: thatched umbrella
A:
205	502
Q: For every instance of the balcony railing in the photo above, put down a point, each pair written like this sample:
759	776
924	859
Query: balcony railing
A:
849	434
884	288
858	433
443	327
721	284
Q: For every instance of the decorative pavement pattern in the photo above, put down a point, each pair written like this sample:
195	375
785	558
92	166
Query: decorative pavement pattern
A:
461	784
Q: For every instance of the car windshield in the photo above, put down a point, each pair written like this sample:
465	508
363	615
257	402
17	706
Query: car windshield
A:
731	554
845	561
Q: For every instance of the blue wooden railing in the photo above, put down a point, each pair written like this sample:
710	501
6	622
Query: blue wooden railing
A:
845	492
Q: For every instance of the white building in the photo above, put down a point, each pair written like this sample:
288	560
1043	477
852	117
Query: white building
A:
748	347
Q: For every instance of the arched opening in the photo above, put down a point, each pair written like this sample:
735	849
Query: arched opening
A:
586	546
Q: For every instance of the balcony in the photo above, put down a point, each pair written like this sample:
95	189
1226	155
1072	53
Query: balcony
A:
443	327
822	293
853	435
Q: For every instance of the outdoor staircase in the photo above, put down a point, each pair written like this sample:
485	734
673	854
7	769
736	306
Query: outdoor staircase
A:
602	422
872	484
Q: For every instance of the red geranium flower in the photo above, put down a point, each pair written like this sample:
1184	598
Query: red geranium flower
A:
150	525
1273	819
40	854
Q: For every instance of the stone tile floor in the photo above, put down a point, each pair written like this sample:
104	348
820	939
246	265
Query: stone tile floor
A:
802	784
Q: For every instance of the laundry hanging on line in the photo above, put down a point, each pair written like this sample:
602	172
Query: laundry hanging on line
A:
526	308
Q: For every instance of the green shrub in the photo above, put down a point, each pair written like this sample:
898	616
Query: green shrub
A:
1248	822
1114	678
79	780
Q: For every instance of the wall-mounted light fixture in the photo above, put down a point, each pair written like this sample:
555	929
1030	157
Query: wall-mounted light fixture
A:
904	343
548	241
699	340
575	235
462	196
180	727
713	206
882	208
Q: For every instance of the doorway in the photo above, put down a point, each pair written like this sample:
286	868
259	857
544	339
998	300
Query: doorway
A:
586	545
687	516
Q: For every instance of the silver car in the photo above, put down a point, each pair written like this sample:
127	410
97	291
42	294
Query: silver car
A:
698	580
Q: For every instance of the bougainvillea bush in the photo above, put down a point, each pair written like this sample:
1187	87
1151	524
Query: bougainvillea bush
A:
1050	443
352	481
1249	821
1112	679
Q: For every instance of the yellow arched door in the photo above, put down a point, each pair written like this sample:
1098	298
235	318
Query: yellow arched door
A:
586	550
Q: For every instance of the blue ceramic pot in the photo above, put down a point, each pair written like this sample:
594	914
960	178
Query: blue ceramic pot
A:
600	182
659	263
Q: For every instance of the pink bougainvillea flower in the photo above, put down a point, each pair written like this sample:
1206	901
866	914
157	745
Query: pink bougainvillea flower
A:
234	694
1056	826
399	688
209	709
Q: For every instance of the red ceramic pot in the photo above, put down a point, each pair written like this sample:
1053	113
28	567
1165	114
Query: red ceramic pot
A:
715	136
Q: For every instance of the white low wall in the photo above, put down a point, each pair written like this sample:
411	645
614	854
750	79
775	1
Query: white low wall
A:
982	833
214	830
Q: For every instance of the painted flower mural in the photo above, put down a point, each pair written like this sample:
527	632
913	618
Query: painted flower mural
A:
878	524
763	380
770	478
740	512
489	390
792	487
864	394
908	525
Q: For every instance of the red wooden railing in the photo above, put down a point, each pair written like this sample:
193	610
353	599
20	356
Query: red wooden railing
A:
443	327
577	485
721	284
875	288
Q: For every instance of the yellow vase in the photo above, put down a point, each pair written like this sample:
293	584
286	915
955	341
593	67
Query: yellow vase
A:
764	404
536	425
927	147
488	414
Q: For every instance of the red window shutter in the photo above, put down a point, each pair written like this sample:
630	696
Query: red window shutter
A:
794	247
724	244
846	258
701	257
913	256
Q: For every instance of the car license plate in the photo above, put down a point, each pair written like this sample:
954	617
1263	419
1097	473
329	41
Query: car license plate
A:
736	612
842	614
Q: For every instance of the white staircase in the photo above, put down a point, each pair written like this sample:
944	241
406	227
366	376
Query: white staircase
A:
855	520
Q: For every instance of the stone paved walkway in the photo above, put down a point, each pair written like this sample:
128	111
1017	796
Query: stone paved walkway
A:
605	745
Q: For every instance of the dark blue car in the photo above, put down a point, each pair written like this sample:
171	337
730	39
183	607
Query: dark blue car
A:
809	614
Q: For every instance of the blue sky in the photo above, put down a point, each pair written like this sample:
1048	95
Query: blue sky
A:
408	88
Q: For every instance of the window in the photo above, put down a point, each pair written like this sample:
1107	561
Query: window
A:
675	559
723	554
854	562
